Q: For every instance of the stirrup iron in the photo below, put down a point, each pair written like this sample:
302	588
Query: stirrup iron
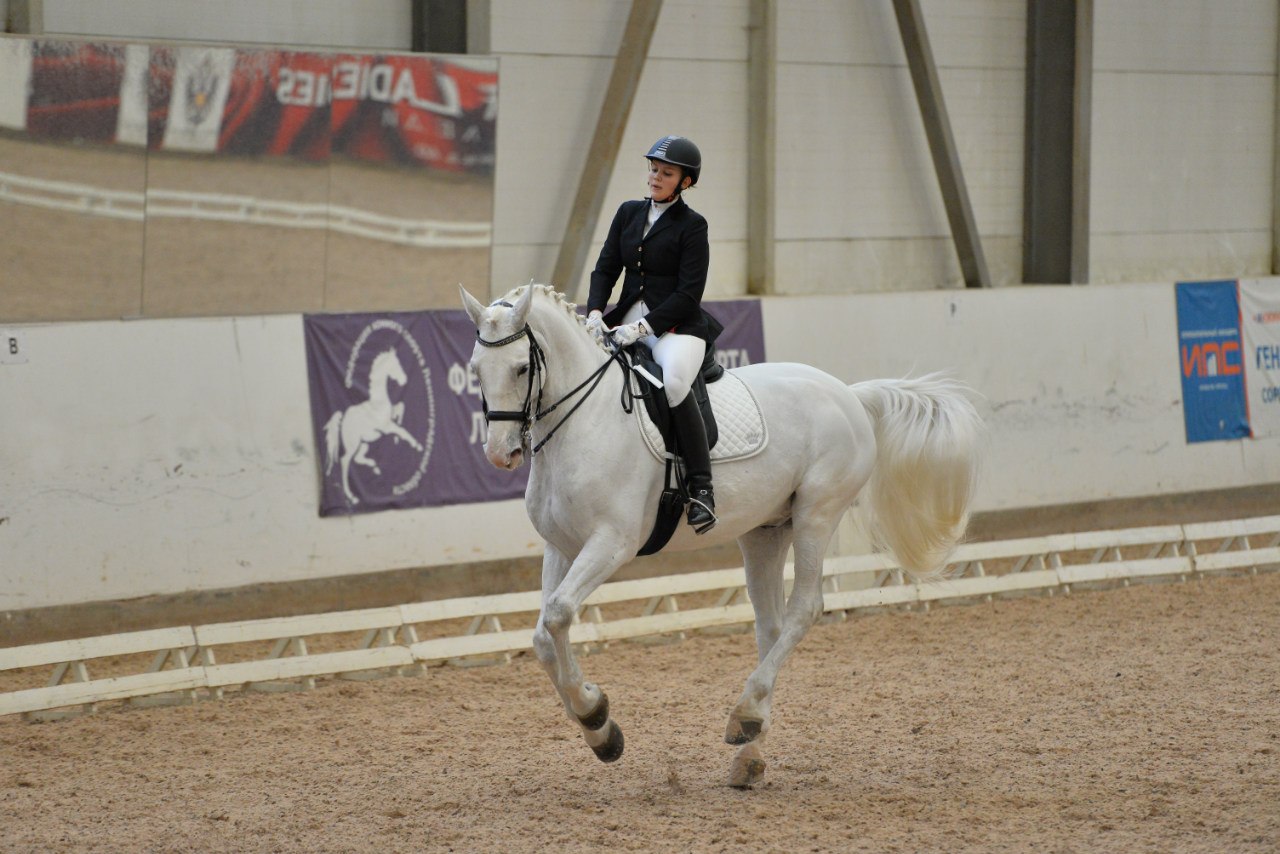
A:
701	527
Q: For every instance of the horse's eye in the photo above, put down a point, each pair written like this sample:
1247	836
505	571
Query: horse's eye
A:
522	370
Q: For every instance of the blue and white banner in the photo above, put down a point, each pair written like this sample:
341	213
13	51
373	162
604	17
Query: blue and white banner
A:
1260	315
1211	357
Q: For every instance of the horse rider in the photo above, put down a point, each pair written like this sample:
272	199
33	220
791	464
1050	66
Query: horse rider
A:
661	242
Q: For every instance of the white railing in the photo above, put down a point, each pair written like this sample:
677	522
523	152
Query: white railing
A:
193	662
222	207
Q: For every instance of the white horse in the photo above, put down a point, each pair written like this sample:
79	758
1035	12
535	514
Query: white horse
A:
353	430
593	488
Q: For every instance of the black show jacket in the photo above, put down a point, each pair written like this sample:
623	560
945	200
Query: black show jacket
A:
667	268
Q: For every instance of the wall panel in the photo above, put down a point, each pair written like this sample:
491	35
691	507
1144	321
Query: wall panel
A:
373	24
161	456
1186	36
687	29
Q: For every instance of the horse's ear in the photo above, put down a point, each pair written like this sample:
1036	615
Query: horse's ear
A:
474	309
521	309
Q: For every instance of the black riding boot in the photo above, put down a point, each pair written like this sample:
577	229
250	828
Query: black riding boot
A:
692	435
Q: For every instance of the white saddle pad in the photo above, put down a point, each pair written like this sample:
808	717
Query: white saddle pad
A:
743	432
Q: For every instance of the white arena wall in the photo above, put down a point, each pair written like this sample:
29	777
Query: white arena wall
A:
166	456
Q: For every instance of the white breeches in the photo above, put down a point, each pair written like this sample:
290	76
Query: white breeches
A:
679	355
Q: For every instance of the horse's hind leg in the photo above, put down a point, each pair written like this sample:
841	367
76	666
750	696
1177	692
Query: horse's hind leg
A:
764	554
362	457
565	585
749	720
346	478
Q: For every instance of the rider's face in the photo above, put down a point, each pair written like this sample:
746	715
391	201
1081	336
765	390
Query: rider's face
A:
663	180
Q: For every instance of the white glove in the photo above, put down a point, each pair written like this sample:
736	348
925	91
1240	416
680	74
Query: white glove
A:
595	325
625	336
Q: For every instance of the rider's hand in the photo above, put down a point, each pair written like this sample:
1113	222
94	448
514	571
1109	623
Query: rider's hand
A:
625	336
595	325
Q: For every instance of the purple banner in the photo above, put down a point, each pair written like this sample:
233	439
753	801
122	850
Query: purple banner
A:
742	342
397	415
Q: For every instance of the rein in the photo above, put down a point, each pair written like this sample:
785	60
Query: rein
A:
531	414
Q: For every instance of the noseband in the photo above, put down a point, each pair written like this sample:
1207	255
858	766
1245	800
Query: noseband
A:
530	413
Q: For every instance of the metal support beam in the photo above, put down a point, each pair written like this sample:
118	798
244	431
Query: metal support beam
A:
1055	203
1081	142
762	88
597	167
1048	141
937	126
25	16
1275	173
439	26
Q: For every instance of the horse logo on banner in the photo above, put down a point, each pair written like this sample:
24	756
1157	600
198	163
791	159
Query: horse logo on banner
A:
350	433
359	433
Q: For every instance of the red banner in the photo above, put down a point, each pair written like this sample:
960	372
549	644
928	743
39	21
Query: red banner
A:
75	90
394	108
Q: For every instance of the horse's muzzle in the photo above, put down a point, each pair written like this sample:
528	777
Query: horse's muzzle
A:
509	459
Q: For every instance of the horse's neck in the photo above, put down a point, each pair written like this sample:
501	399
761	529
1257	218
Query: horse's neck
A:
571	354
378	387
572	358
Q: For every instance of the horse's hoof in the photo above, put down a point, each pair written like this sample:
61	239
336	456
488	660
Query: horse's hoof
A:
598	716
611	748
747	768
742	731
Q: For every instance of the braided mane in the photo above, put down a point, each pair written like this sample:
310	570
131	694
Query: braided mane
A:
556	297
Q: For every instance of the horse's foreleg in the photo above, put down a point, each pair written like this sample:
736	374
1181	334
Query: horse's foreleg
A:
565	587
396	430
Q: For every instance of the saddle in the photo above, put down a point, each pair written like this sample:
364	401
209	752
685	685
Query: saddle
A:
656	404
675	495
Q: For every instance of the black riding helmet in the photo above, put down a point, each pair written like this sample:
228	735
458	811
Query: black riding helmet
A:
678	151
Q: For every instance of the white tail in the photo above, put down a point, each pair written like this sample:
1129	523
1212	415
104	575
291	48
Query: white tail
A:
927	436
332	440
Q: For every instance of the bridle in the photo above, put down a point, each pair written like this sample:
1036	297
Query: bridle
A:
531	413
